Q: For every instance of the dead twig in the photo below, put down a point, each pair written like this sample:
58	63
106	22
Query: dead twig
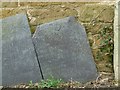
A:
94	18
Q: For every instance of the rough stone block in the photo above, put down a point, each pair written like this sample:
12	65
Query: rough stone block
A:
9	4
63	50
11	12
97	13
44	15
19	63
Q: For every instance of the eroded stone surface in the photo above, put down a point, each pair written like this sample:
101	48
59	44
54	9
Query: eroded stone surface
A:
19	63
63	50
117	42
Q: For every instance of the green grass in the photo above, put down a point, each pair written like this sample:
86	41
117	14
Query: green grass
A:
48	83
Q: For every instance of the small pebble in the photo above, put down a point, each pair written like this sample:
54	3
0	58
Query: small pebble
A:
63	6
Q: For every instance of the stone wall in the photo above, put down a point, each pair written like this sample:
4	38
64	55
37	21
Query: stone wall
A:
96	17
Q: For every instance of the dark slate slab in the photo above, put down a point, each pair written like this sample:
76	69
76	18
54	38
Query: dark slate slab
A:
64	50
19	63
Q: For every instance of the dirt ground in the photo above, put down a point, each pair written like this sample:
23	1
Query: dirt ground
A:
104	80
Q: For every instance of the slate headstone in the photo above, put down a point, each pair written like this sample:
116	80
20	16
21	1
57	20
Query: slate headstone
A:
63	50
19	63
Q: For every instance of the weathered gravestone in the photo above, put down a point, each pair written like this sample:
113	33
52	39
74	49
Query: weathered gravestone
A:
63	50
117	42
19	63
